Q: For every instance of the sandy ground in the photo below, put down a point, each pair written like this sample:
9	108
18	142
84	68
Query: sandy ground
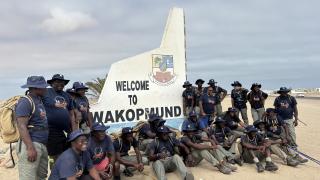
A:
307	139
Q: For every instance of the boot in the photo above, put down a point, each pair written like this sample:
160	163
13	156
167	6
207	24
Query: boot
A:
239	161
223	169
300	159
230	166
270	166
292	162
260	167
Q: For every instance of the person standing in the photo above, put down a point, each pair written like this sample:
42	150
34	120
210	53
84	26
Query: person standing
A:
82	104
286	107
188	96
257	99
33	128
239	100
219	93
198	93
207	108
59	108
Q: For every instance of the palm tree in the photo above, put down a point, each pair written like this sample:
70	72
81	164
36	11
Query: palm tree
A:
95	86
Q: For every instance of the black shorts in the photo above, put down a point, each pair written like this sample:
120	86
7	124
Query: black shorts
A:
57	142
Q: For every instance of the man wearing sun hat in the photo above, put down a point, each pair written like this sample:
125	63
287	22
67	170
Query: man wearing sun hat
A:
124	162
61	119
257	98
82	104
76	160
101	150
189	98
239	100
287	109
219	93
33	128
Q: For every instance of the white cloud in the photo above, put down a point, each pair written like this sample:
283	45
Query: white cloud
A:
62	21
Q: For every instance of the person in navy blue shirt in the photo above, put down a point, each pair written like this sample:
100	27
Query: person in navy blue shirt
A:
73	162
239	100
286	107
82	104
188	96
257	98
125	162
101	150
207	108
59	107
233	122
148	131
193	120
219	93
198	90
33	128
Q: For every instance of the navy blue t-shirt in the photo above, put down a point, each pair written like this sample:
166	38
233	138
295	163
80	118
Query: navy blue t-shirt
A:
69	163
285	106
216	92
82	104
192	123
196	138
98	150
123	147
274	126
239	98
189	97
159	146
231	121
256	99
58	118
208	103
144	129
220	133
38	119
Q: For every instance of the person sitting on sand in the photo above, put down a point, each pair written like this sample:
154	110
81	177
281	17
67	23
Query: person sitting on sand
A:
164	158
200	150
256	148
193	119
276	144
148	131
101	150
276	131
233	122
225	140
124	162
73	162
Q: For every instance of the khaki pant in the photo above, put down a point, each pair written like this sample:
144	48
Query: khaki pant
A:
244	115
292	131
199	155
36	170
170	164
132	158
218	109
257	113
249	155
144	145
218	154
276	149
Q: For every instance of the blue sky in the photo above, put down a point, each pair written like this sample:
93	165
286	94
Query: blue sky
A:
276	43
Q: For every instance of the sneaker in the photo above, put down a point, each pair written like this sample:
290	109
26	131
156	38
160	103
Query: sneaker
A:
260	167
292	162
300	159
270	166
230	166
223	169
189	176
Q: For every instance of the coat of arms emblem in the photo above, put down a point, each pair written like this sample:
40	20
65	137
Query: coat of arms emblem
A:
162	70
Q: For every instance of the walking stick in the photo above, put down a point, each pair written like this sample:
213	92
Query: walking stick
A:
305	155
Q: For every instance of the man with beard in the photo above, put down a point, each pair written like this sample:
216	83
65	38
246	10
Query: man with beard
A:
73	162
101	150
257	99
59	107
188	96
239	100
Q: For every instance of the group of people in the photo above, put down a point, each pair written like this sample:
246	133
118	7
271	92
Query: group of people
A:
57	123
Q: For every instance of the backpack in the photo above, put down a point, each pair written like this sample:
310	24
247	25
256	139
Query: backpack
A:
8	124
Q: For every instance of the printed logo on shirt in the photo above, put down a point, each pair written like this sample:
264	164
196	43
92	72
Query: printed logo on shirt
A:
256	98
98	153
60	99
43	114
83	106
284	104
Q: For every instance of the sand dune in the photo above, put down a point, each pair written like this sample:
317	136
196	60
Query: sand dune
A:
308	139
